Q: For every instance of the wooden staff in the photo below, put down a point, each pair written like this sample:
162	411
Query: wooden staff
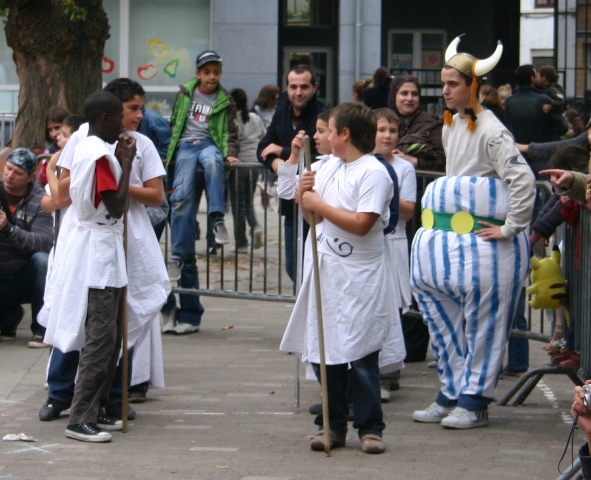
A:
323	381
124	356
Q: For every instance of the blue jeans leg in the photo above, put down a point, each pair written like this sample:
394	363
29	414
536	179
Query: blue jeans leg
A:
61	375
191	309
210	158
518	348
25	286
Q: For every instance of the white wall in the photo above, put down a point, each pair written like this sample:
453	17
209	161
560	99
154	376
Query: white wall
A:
536	31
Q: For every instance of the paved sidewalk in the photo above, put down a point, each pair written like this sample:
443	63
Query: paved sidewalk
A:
228	413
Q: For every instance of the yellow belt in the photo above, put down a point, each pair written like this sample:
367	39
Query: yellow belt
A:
459	222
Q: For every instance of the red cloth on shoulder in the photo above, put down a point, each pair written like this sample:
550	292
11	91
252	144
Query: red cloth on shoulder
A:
104	180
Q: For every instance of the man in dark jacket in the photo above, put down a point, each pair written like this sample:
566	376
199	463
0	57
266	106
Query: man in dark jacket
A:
525	117
296	112
26	236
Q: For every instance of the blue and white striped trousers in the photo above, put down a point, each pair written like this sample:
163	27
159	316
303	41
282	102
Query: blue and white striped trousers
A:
467	288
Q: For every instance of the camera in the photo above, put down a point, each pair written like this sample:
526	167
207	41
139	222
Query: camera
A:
587	398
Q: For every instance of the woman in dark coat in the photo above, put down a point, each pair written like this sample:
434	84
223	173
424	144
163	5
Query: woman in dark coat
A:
419	132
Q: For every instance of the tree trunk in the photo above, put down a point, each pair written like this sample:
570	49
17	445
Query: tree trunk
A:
58	61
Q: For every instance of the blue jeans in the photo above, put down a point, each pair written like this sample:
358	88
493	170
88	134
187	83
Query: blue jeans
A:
61	377
518	348
365	386
188	158
24	286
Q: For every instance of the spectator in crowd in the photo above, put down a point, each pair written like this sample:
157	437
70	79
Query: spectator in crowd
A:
242	181
359	88
26	237
298	112
575	124
266	103
377	95
419	132
546	79
584	422
504	92
489	99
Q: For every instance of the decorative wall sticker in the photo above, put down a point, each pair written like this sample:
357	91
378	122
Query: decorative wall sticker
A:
108	65
147	72
156	47
171	68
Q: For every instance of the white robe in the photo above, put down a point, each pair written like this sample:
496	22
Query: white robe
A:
357	303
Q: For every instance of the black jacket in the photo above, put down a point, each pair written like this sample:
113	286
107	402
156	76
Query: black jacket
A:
526	120
282	130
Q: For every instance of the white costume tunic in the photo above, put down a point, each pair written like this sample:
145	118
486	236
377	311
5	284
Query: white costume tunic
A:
397	242
94	256
357	303
149	285
468	288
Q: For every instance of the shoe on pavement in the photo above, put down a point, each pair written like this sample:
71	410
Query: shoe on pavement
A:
461	418
184	329
511	373
87	432
51	410
565	355
372	444
10	334
174	268
37	342
115	411
169	320
257	238
137	393
220	233
434	414
315	409
317	442
432	364
384	392
106	422
240	250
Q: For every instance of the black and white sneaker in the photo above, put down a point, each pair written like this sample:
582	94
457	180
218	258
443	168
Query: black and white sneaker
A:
221	233
174	269
88	432
106	422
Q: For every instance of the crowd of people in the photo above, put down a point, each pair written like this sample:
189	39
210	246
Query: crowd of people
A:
122	166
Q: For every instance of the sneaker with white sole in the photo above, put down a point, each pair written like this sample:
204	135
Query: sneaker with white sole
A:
434	414
88	432
174	268
384	392
106	422
461	418
221	233
184	329
169	320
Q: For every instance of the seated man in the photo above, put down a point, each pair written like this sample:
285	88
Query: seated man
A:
26	236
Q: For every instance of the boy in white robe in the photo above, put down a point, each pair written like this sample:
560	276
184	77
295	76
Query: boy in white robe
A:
94	263
351	199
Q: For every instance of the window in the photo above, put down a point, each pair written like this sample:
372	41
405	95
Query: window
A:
309	13
411	50
154	47
544	3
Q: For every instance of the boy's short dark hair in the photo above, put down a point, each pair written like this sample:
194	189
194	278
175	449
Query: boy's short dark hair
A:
466	78
361	123
74	122
549	73
387	114
101	102
125	89
324	115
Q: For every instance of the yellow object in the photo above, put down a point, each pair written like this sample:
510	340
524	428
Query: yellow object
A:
462	223
427	219
548	286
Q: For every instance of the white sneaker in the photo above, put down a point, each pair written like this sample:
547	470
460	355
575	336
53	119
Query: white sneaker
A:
169	321
174	269
384	392
434	414
221	233
184	329
257	238
461	418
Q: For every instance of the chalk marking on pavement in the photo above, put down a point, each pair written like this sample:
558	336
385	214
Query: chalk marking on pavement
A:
29	448
551	397
213	449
